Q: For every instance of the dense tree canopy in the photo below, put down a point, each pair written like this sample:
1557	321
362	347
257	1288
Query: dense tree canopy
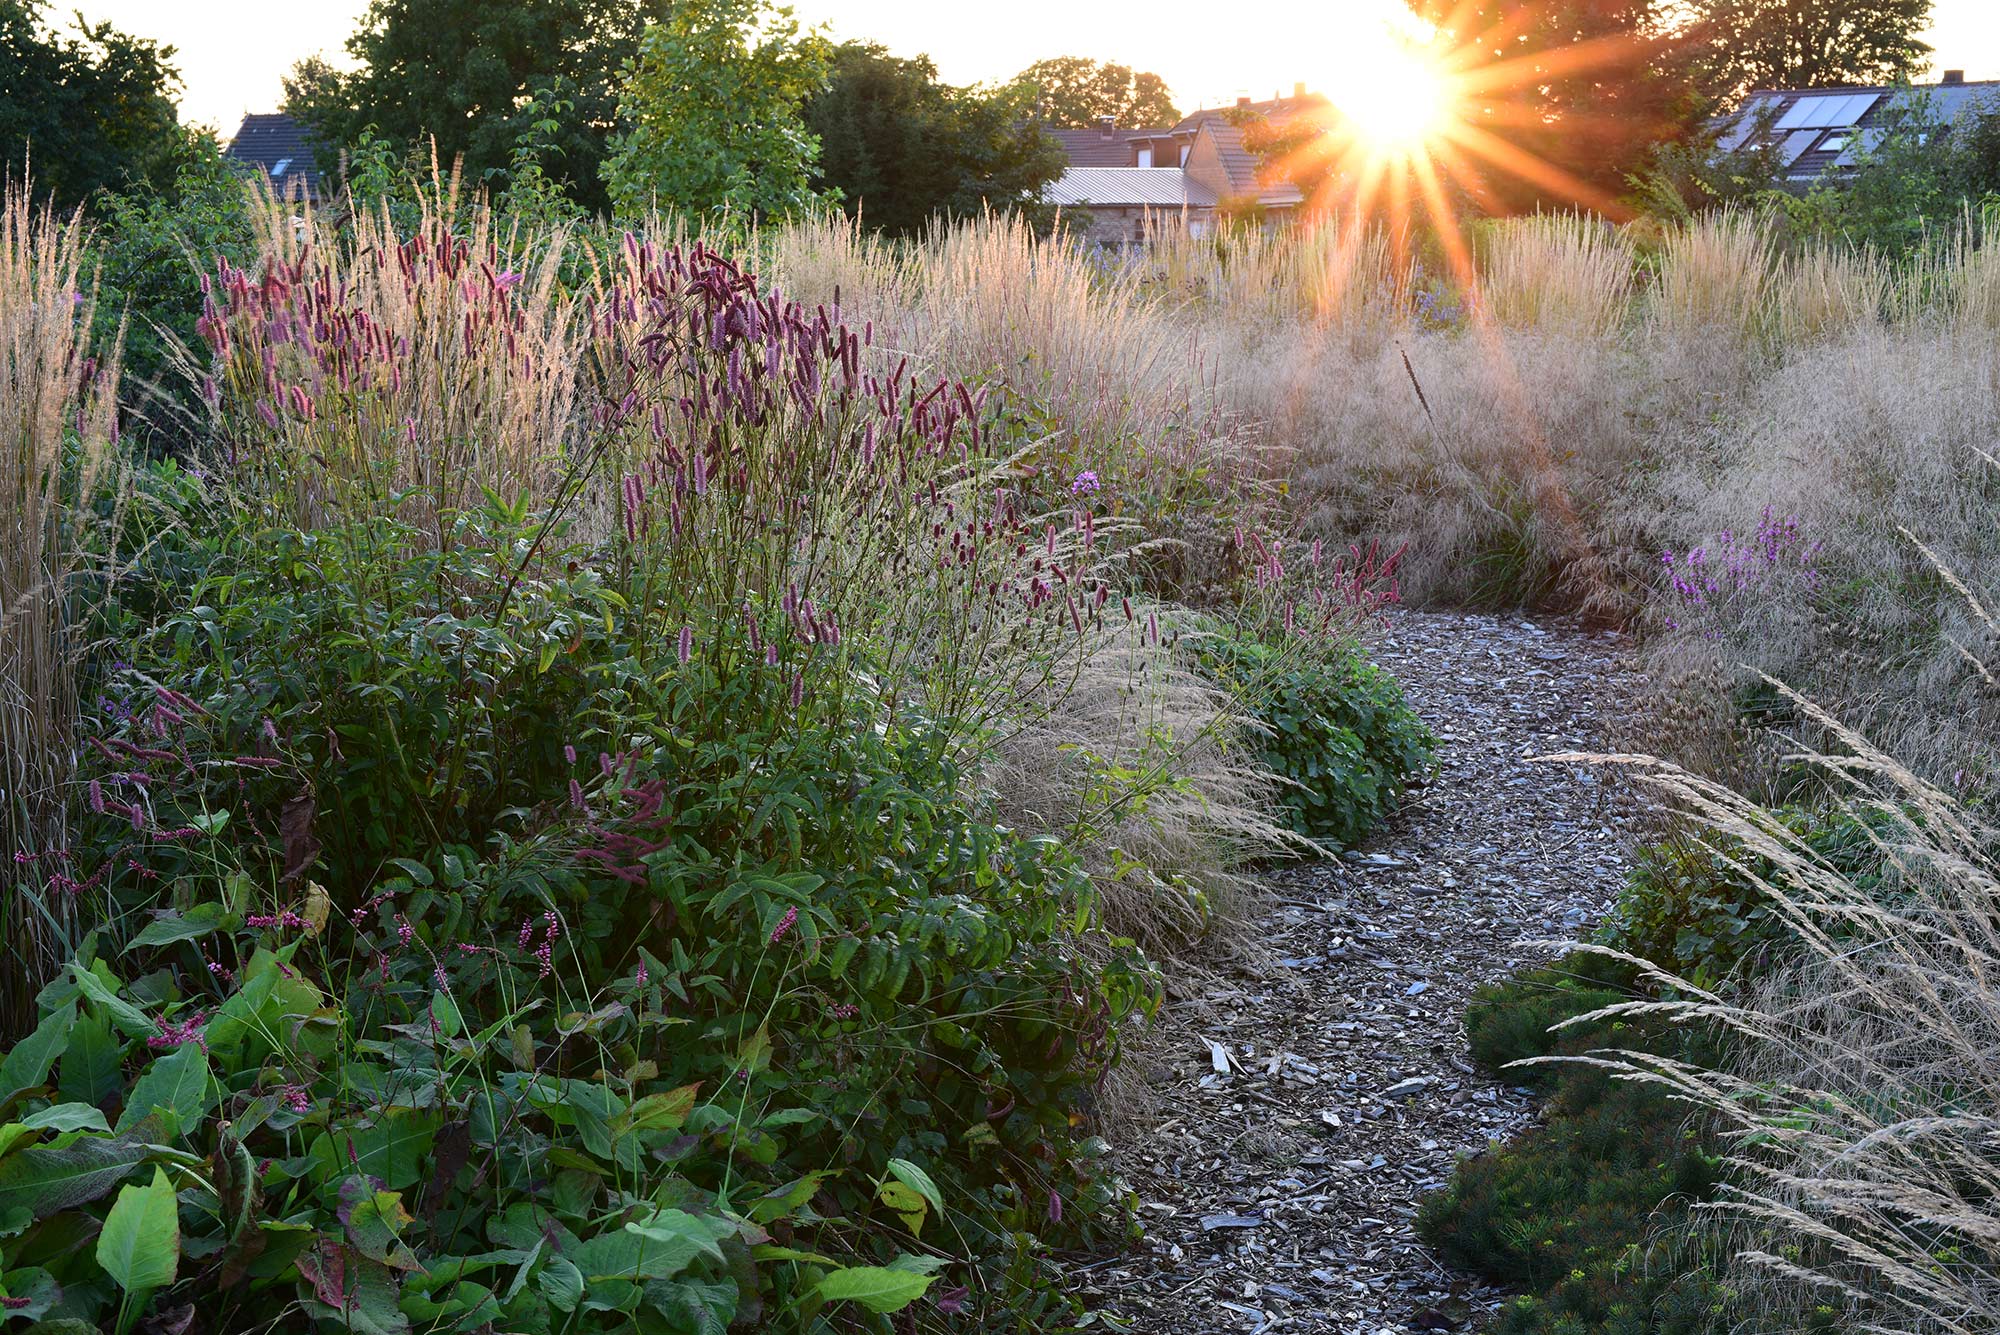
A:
1073	91
92	109
462	71
712	109
1565	99
1746	44
900	147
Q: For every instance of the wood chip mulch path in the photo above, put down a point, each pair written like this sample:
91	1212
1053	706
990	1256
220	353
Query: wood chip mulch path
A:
1302	1109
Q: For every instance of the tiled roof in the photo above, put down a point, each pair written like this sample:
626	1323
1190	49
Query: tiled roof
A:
1241	165
278	146
1277	111
1130	187
1098	148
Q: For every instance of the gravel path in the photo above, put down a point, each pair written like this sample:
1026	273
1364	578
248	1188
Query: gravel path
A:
1303	1112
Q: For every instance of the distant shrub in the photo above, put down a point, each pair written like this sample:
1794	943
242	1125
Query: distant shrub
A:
1335	727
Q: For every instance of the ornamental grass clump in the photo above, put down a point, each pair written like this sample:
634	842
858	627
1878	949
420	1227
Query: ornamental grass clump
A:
58	428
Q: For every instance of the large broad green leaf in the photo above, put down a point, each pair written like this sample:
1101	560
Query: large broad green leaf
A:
29	1064
170	927
49	1181
30	1291
67	1117
561	1283
129	1018
682	1236
89	1071
392	1149
877	1288
140	1247
177	1082
377	1223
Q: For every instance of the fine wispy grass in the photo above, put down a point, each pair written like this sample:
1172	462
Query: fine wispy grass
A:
56	429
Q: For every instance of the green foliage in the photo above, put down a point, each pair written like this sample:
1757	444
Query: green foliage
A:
639	994
154	247
1077	92
712	105
1697	909
900	148
478	78
1746	44
84	112
1588	1210
1336	730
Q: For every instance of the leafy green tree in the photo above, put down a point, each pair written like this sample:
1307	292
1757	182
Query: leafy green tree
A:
475	75
152	251
900	147
713	107
1565	99
1746	44
90	110
1975	150
1077	92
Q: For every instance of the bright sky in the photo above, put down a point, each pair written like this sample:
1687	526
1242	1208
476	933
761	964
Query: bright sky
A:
234	52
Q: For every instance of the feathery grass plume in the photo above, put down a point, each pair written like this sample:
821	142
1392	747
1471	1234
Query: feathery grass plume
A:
58	430
1563	273
1824	292
1863	1090
1715	279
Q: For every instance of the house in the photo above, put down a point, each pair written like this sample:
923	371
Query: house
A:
279	148
1817	132
1198	168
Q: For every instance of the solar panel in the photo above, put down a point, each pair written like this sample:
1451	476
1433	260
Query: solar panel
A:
1857	107
1804	113
1795	146
1828	111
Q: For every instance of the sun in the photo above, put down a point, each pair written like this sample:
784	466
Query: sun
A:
1392	99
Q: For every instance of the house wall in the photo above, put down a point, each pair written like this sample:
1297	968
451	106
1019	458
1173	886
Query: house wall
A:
1119	225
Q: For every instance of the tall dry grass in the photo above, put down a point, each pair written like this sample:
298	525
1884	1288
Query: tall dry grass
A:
1862	1090
1562	273
57	426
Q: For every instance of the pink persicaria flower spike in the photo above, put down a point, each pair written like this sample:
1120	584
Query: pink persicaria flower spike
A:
784	925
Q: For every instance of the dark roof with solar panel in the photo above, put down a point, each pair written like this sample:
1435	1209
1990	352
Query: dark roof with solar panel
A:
279	147
1816	131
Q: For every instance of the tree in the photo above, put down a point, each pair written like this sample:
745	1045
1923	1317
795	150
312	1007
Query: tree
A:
900	147
712	103
1076	92
1746	44
475	75
89	111
1561	101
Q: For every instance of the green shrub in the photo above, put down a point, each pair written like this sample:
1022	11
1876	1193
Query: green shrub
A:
1336	729
1587	1210
1688	909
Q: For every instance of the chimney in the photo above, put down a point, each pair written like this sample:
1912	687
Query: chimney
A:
1298	92
1107	126
1953	77
1243	101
